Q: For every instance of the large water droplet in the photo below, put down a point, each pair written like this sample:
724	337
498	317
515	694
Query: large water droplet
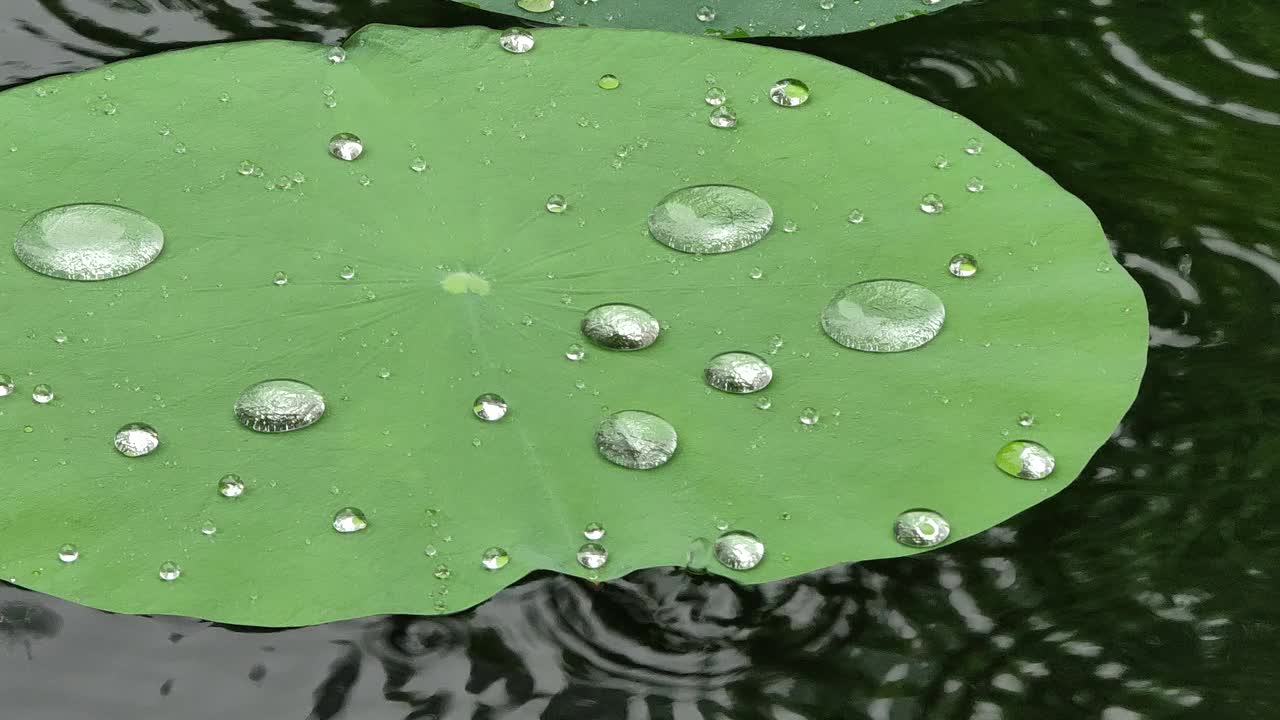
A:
738	372
6	385
921	528
618	326
592	556
962	266
883	316
710	219
495	558
1026	459
68	553
490	407
273	406
346	146
593	531
636	439
349	520
739	550
137	439
789	92
723	117
230	485
88	242
516	40
170	571
42	394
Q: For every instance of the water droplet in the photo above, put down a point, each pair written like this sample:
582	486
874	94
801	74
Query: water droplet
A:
430	551
973	147
962	266
636	439
490	407
941	162
921	528
208	528
739	550
170	571
883	316
706	14
698	555
384	373
789	226
592	556
347	272
418	165
88	242
974	185
349	520
608	82
442	572
60	337
346	146
279	406
789	92
618	326
715	96
710	219
516	40
738	372
180	148
810	416
6	385
723	117
931	204
1026	419
336	55
556	204
42	394
136	439
856	217
247	167
763	403
495	558
536	6
593	531
575	352
230	486
68	553
1026	459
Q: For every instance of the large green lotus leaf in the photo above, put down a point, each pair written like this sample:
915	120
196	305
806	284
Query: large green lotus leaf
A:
727	18
1049	325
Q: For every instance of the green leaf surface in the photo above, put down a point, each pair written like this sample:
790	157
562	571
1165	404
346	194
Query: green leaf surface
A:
1049	325
728	18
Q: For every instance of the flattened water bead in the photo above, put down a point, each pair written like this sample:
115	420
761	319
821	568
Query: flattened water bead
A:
88	242
618	326
516	40
231	486
636	439
738	550
536	6
921	528
495	558
1026	459
723	117
42	394
738	372
6	385
490	407
608	82
346	146
962	266
170	571
593	531
592	556
273	406
710	219
349	520
715	97
136	439
883	316
789	92
556	204
68	553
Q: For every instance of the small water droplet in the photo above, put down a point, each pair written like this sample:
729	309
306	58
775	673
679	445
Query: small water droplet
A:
136	439
247	167
739	550
6	385
593	531
364	180
941	162
384	373
974	184
490	407
418	165
789	92
230	486
273	406
280	278
973	147
42	394
170	571
856	217
962	265
349	520
575	352
618	326
430	551
516	40
810	416
827	4
592	556
180	148
636	439
336	55
931	204
1026	459
723	117
208	528
346	146
347	272
68	553
556	204
789	226
442	572
710	219
883	316
495	558
738	372
536	6
1026	419
60	337
763	403
921	528
705	14
88	242
715	96
608	82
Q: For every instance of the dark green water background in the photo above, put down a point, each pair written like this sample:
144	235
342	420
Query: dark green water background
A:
1146	590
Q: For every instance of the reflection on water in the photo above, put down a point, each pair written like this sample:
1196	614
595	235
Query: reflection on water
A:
1143	591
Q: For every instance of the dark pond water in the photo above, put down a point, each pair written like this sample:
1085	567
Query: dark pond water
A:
1146	590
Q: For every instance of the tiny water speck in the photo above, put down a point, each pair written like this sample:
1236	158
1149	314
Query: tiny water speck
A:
619	326
347	272
723	117
88	242
556	204
883	316
593	531
921	528
608	82
336	55
42	394
739	550
349	520
738	372
495	558
592	556
490	407
710	219
170	571
636	439
280	278
1026	459
280	405
810	417
715	96
575	352
1026	419
6	385
705	14
931	204
789	92
962	265
136	439
516	40
68	553
441	572
230	486
346	146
